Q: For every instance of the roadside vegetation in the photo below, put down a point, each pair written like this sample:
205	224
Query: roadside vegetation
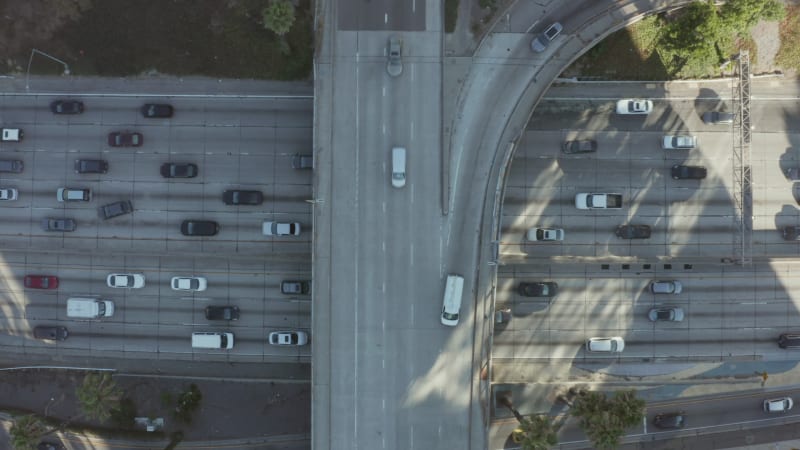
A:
261	39
789	54
697	41
604	420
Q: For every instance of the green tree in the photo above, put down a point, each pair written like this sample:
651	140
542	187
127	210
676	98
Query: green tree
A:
746	13
536	432
604	421
278	16
26	431
98	395
629	408
703	35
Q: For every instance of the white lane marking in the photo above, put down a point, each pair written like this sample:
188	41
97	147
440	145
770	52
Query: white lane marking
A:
355	258
412	255
385	18
383	246
413	6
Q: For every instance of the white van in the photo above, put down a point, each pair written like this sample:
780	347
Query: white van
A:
452	300
89	308
73	195
12	135
398	167
211	339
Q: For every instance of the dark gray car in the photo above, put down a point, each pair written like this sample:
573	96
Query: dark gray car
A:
236	197
11	165
670	420
58	225
717	117
91	166
633	231
791	233
302	161
50	333
579	146
680	172
222	312
115	209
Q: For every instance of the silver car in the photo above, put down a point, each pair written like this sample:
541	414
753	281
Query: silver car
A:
666	287
540	42
394	65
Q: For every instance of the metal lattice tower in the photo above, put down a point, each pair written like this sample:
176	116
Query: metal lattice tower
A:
742	182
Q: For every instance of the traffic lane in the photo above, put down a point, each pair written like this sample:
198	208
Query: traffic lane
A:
717	323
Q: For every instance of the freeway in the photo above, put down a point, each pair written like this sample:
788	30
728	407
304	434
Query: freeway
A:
733	314
237	142
390	375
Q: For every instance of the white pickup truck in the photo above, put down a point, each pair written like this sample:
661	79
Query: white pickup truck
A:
598	201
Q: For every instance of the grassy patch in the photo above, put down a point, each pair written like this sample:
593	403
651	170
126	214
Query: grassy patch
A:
450	15
180	37
628	54
789	54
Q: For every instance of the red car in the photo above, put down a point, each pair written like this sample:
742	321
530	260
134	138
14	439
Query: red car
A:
41	281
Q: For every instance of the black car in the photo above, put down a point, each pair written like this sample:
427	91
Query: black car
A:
633	231
125	139
199	228
717	117
58	225
222	312
66	107
91	166
688	172
178	170
156	110
115	209
302	161
579	146
50	333
242	197
670	420
792	173
290	287
538	289
791	233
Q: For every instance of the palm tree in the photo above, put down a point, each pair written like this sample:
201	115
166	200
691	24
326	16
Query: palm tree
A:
604	421
536	433
98	395
26	431
628	407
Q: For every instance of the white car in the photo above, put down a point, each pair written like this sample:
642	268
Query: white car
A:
605	344
288	338
125	280
679	142
778	405
281	229
8	194
189	283
545	234
634	106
